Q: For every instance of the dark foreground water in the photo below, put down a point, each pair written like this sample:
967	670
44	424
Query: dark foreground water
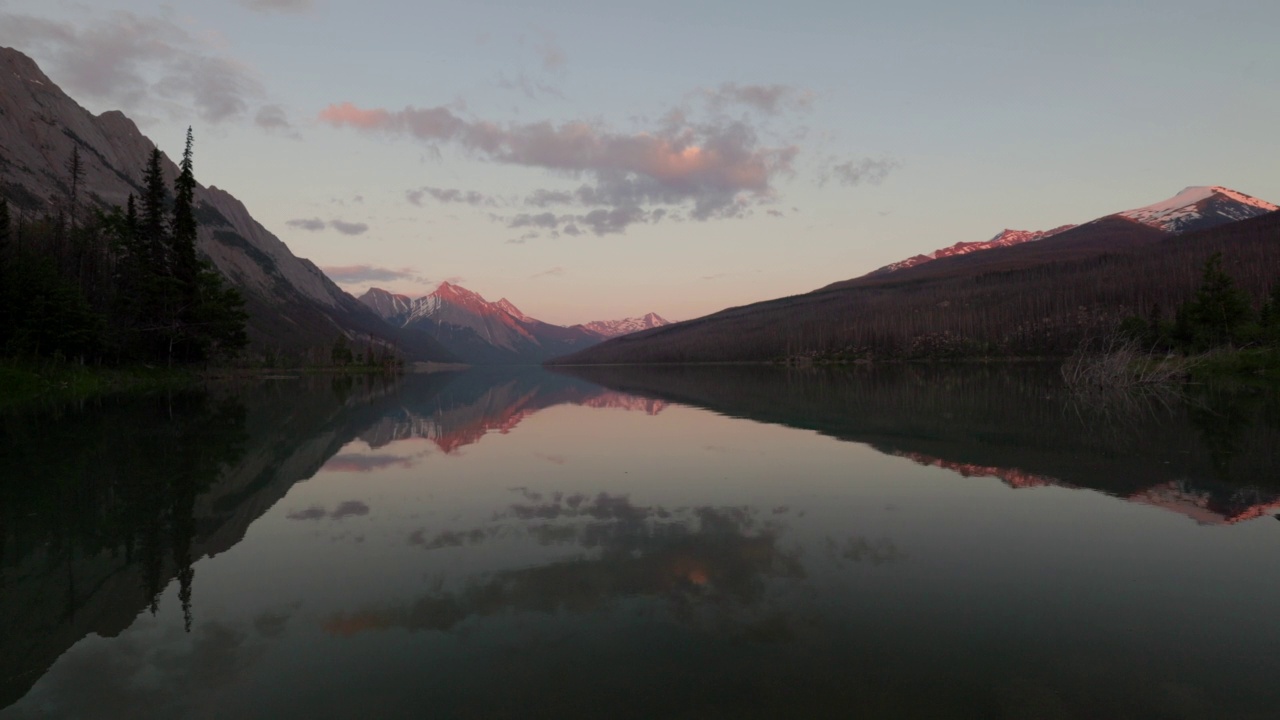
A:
697	543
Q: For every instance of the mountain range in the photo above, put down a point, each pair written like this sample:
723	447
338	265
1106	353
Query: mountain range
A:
1023	293
488	333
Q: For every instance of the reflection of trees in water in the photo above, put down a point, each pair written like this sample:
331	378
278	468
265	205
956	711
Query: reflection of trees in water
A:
1012	421
101	507
120	479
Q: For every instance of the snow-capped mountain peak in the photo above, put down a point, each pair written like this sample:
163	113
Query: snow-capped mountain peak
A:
1199	207
626	326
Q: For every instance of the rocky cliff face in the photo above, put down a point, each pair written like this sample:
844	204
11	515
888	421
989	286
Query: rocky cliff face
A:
293	307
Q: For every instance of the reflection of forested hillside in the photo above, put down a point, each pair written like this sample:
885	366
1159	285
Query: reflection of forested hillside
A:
101	508
1204	457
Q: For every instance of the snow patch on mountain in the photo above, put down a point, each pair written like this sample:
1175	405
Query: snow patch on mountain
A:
1199	207
626	326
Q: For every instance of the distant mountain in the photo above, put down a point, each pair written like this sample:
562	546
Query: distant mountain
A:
1032	299
1200	208
1195	208
294	309
492	333
616	328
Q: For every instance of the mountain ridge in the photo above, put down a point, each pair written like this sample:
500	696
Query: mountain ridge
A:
487	333
294	309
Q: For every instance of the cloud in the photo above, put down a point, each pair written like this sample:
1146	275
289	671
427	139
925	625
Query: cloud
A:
142	65
718	167
532	89
349	228
281	6
768	99
309	224
775	213
552	55
450	195
272	117
315	512
359	274
350	508
556	271
856	172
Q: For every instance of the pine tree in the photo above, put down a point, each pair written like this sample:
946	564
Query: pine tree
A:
183	236
75	177
1218	310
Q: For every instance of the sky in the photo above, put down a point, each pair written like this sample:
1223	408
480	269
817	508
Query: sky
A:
599	160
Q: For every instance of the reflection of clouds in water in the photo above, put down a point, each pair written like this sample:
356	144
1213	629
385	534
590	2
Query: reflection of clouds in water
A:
357	463
880	551
133	676
705	563
348	508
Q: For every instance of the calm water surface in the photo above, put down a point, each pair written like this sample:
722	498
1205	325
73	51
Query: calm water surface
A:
748	542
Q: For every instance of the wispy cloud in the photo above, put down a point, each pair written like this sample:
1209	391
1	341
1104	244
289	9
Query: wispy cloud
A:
143	65
768	99
309	224
280	6
856	172
349	228
449	195
359	274
316	225
553	272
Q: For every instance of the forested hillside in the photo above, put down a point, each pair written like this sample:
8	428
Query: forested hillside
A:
1037	299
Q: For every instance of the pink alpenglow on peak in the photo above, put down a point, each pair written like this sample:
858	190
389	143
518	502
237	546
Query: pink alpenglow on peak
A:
1004	238
626	326
1198	208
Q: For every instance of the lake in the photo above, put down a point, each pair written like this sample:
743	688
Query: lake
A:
687	542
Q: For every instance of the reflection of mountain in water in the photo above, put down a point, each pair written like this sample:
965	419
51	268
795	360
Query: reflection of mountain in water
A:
1213	459
479	402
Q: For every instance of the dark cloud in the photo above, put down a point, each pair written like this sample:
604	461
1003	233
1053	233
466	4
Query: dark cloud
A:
450	195
556	271
856	172
310	224
768	99
775	213
315	512
359	274
140	64
349	228
272	117
281	6
350	508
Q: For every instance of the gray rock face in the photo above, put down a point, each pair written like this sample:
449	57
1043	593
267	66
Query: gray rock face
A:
293	307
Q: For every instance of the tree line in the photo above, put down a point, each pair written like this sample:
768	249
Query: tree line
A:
93	285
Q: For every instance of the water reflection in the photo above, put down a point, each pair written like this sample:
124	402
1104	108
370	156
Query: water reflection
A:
1214	457
493	544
